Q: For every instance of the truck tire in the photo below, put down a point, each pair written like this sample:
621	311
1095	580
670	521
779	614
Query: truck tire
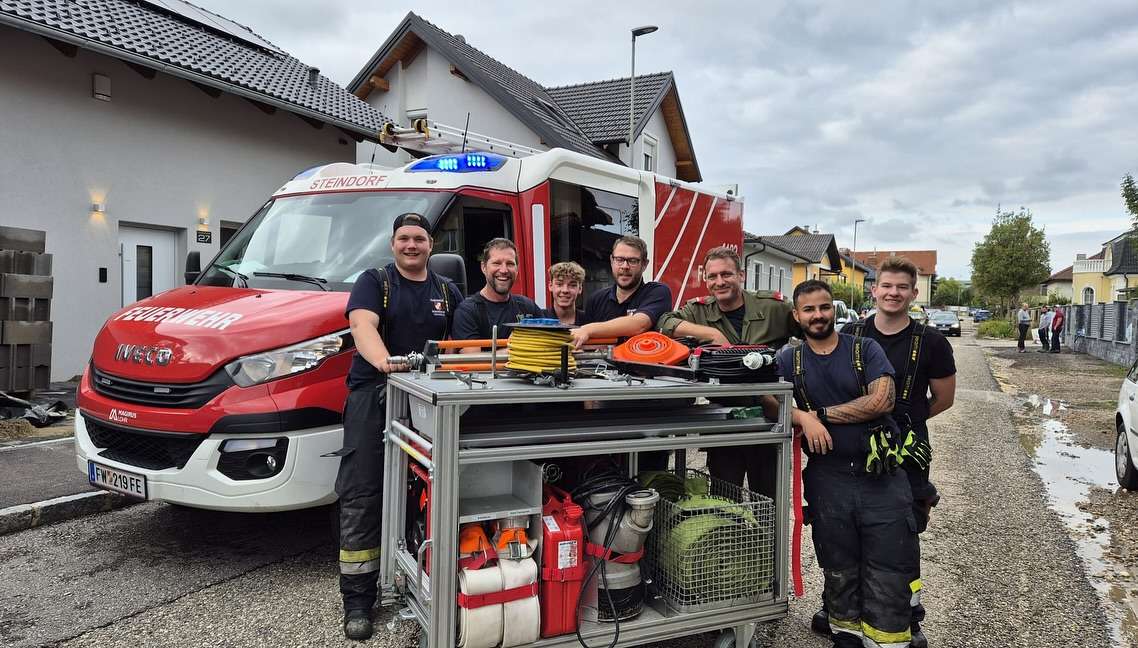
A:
1123	461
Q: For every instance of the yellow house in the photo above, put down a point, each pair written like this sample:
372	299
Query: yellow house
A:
818	253
1108	275
853	272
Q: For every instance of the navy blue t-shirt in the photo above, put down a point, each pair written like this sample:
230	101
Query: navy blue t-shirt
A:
416	312
470	325
578	317
832	380
652	298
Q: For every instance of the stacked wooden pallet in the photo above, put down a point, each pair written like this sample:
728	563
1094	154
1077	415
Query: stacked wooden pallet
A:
25	311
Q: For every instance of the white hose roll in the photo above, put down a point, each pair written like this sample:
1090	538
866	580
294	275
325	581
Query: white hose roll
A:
522	617
480	627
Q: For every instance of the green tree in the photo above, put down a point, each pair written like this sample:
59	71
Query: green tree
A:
948	293
1130	196
853	296
1014	253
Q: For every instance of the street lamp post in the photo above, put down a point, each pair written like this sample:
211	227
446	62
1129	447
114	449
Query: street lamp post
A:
856	221
639	31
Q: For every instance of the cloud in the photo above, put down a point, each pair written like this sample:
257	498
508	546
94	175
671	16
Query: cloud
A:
922	116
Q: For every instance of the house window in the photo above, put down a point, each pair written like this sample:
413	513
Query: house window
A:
1088	295
758	275
649	149
781	281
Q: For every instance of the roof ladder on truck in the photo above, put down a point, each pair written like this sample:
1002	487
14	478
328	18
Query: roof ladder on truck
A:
434	138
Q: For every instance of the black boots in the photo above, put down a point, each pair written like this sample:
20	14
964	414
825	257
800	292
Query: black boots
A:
357	624
820	623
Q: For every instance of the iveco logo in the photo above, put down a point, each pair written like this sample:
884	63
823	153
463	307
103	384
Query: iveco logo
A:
147	355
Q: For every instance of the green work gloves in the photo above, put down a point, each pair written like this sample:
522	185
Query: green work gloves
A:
883	455
916	453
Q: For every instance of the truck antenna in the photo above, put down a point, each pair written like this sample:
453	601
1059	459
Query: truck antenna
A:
464	132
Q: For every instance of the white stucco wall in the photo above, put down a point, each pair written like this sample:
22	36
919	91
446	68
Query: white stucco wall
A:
159	153
427	84
770	261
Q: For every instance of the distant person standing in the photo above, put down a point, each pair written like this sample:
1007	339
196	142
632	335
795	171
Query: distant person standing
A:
1044	328
1057	320
1023	318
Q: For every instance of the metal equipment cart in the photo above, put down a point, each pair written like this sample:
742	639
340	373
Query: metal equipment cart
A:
425	424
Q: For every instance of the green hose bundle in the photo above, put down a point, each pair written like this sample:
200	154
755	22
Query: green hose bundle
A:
671	487
712	551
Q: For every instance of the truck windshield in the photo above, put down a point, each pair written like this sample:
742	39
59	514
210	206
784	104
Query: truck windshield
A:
317	242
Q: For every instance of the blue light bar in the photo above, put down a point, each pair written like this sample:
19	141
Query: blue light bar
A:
461	163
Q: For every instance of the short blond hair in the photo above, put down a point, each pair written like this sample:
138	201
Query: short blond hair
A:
567	271
901	265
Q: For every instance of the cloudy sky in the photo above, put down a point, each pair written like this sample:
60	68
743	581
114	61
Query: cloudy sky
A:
919	117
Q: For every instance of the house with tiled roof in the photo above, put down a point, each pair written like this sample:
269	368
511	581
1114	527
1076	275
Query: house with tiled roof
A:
424	72
1059	284
768	266
925	260
816	256
1109	275
137	131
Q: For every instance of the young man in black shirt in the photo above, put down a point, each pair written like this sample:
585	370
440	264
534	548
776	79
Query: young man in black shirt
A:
933	370
493	306
392	311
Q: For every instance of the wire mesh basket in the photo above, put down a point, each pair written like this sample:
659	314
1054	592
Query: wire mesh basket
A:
713	547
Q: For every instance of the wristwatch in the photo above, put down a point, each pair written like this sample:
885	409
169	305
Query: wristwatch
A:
821	414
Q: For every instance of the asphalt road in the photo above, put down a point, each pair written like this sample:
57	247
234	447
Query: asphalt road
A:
999	569
41	471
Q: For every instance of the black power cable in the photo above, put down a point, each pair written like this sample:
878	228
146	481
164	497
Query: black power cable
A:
598	480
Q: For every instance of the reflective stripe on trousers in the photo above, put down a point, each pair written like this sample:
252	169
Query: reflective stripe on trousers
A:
359	562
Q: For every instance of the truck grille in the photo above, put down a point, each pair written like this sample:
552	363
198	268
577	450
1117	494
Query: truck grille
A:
150	450
176	395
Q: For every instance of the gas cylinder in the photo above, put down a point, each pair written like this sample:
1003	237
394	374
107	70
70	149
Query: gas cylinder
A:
563	562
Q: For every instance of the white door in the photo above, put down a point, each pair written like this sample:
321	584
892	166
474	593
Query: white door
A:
148	262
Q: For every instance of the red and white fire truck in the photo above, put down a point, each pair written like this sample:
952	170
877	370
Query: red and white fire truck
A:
226	393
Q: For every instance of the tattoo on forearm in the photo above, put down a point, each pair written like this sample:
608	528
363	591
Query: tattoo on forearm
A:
878	402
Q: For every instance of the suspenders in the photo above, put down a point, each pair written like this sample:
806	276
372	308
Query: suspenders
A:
800	394
385	289
905	386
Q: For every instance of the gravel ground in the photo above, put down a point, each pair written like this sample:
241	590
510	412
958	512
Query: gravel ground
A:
999	568
1103	521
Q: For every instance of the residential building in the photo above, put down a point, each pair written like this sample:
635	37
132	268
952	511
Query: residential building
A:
768	266
137	131
1108	275
855	272
817	254
1059	284
423	72
925	260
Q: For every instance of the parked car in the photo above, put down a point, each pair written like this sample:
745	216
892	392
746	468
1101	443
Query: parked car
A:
981	315
843	314
1126	441
946	322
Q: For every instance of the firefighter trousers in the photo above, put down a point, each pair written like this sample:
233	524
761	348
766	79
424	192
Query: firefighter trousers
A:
359	484
756	462
865	538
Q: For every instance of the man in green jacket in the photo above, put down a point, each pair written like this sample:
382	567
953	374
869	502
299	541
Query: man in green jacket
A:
732	315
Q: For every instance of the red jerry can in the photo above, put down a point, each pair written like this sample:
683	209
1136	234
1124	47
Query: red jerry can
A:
563	562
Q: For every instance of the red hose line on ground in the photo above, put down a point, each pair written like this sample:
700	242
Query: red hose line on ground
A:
796	495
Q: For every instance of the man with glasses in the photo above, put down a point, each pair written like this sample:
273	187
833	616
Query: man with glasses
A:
631	306
732	315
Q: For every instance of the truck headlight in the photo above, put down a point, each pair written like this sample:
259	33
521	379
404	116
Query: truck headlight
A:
269	365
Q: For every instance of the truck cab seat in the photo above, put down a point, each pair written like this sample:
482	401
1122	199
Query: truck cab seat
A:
451	266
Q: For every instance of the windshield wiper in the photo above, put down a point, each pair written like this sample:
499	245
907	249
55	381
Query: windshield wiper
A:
244	278
317	281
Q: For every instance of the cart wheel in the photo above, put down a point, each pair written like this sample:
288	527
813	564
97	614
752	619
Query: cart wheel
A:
726	639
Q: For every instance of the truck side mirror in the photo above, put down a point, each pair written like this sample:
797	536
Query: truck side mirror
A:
193	266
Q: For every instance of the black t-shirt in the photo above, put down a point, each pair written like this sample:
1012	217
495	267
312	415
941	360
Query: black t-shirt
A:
936	361
832	380
736	318
416	312
469	323
652	298
578	317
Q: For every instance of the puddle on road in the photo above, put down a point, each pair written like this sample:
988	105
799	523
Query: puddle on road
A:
1068	472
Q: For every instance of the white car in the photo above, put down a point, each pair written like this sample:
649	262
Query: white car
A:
843	314
1125	420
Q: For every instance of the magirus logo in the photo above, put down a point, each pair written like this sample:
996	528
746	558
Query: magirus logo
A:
122	416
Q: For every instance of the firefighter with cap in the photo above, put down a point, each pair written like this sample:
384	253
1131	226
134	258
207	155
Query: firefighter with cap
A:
859	499
392	311
732	315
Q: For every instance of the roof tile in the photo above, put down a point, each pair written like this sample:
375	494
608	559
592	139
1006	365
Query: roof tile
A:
600	108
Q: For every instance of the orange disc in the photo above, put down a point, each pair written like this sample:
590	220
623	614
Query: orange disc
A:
652	347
